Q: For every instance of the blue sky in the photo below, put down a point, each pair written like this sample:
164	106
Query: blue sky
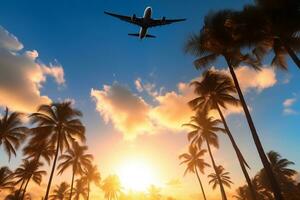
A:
94	50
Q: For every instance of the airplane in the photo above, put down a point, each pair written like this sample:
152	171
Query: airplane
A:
144	22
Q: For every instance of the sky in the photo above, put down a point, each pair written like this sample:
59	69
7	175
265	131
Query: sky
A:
133	92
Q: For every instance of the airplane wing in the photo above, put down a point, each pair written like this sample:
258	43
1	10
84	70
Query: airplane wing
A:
132	20
161	22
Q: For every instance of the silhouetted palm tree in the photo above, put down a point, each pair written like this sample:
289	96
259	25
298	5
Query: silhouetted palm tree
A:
205	129
215	91
36	150
77	159
214	40
225	178
61	192
194	161
80	189
29	169
281	30
6	179
284	175
111	187
58	123
12	132
91	174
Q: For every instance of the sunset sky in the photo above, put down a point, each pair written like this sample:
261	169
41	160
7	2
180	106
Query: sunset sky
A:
133	93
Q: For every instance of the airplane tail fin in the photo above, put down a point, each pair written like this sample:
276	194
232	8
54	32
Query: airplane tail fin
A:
138	35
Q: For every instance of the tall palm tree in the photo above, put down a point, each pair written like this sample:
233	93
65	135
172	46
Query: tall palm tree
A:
214	40
225	178
91	174
214	92
29	169
194	161
111	187
205	130
59	123
12	132
61	192
77	159
6	179
80	189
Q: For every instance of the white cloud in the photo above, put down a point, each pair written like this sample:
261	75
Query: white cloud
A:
138	85
22	76
287	104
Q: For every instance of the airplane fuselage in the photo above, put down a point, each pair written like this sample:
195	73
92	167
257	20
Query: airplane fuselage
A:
146	18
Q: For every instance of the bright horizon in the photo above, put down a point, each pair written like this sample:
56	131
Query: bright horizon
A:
133	93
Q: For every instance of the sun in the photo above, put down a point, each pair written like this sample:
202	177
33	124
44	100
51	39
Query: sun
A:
136	175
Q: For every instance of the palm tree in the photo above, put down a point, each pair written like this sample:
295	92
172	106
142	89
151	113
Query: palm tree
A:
77	159
36	150
225	178
280	29
61	192
194	161
215	40
284	175
205	130
154	193
12	132
58	123
6	177
111	187
29	169
91	174
215	91
80	189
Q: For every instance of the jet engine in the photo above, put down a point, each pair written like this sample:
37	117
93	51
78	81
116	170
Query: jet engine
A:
133	18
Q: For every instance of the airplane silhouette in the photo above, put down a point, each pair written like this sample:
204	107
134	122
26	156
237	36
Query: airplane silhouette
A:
144	22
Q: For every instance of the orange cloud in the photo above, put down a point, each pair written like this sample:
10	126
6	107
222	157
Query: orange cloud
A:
22	76
128	112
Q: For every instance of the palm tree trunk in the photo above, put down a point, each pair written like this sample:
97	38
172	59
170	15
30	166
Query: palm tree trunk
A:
23	195
53	167
88	194
263	157
291	52
224	197
20	189
238	153
71	192
200	183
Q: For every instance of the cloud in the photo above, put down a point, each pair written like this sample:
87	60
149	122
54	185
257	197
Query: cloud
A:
258	80
138	85
22	76
127	111
287	104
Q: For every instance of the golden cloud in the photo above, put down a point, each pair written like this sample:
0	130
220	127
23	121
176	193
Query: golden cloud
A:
22	76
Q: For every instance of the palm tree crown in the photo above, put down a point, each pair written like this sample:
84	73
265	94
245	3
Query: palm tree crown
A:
225	178
12	132
61	192
111	187
6	177
194	160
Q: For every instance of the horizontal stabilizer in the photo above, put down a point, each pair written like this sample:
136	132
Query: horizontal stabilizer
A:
150	36
134	34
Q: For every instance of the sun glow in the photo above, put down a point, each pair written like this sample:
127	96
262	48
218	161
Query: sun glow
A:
136	175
